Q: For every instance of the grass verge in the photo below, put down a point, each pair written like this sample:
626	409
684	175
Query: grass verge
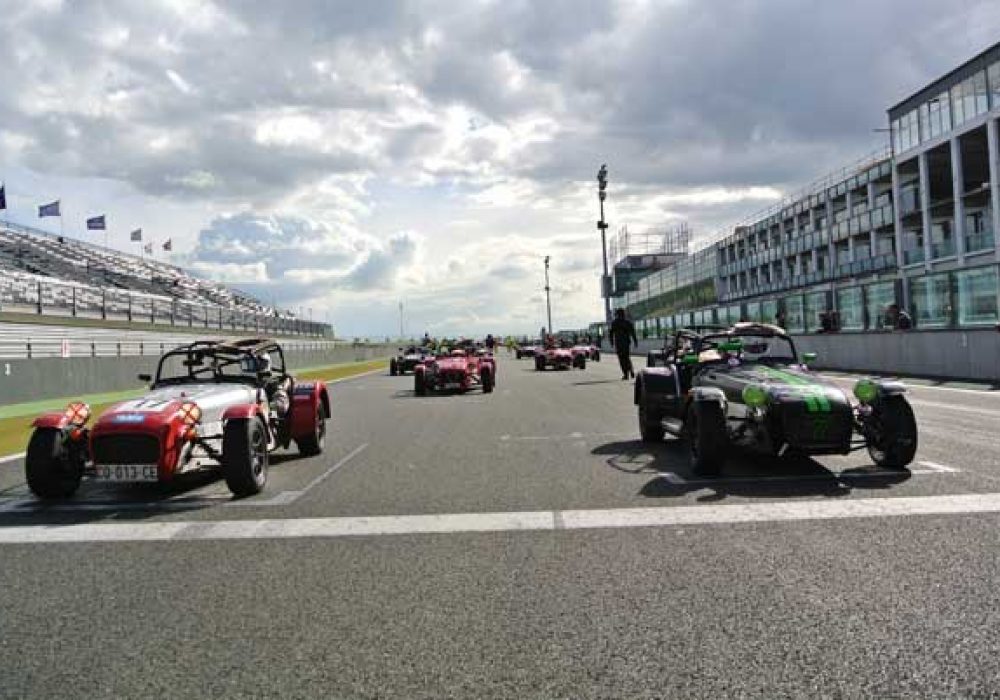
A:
15	430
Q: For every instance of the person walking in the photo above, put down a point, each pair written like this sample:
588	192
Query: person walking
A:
621	332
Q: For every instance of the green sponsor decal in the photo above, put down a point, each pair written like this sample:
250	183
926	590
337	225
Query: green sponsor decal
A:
814	395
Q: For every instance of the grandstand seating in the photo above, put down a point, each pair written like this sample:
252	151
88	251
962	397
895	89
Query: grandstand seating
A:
97	273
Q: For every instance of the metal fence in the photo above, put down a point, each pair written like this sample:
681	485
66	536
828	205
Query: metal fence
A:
22	293
74	347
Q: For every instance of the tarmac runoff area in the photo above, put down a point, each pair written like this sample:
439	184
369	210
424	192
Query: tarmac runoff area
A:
524	542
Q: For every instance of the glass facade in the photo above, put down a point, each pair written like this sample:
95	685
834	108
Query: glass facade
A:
993	76
979	230
850	309
815	304
794	322
878	298
976	294
930	298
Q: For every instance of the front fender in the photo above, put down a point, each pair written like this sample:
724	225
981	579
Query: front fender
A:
248	410
705	394
659	381
306	400
55	419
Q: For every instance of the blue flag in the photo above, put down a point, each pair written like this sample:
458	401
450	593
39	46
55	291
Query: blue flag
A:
49	210
3	197
96	223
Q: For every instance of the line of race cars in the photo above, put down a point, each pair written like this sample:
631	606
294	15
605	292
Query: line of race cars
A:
226	406
558	354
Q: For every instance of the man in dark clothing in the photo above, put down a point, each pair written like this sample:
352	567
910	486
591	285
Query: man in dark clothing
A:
620	333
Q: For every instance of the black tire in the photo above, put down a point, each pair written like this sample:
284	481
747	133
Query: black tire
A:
707	429
518	354
313	444
597	356
582	363
539	364
892	434
393	368
419	384
486	377
49	469
650	421
650	360
244	456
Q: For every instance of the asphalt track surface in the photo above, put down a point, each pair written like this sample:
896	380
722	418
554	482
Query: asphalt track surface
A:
522	544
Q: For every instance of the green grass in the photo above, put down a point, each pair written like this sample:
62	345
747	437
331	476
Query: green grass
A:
15	421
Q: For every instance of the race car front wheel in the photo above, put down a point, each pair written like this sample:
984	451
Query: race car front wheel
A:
892	433
313	444
244	456
50	470
486	377
650	421
539	364
707	422
420	384
393	368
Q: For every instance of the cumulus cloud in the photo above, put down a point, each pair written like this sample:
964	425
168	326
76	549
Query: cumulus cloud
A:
311	135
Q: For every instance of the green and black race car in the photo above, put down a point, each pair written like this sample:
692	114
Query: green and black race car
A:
745	387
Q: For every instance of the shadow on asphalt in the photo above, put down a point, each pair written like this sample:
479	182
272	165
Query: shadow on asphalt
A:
126	502
599	381
746	476
411	394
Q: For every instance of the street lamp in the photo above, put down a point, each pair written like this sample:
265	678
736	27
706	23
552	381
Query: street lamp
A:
602	226
548	301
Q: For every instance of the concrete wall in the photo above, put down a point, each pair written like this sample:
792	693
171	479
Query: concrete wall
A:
51	377
970	354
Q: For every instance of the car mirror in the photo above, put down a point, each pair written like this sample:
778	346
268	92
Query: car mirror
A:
691	359
809	356
145	378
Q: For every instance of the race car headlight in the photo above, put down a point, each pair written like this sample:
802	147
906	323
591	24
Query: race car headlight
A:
866	390
189	413
754	396
77	414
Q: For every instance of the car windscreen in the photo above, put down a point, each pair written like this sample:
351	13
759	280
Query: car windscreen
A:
769	349
178	367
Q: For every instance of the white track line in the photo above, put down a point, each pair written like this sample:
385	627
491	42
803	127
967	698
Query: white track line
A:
297	528
11	458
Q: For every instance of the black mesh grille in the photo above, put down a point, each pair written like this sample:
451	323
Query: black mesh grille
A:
126	449
805	429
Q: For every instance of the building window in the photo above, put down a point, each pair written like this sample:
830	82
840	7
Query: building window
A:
850	309
978	230
816	304
994	80
980	94
939	115
931	300
957	105
753	312
793	315
913	246
769	311
878	297
942	239
976	292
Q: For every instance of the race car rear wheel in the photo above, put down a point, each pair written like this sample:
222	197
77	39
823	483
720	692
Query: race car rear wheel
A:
313	444
420	384
597	356
486	377
539	363
244	456
707	422
892	433
581	362
49	469
393	368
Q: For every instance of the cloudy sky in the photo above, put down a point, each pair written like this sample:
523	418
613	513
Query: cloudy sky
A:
345	156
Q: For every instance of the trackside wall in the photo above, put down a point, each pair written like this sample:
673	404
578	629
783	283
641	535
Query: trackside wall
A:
948	354
24	380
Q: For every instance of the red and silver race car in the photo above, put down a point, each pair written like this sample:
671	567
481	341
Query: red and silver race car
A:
559	358
213	405
591	351
456	371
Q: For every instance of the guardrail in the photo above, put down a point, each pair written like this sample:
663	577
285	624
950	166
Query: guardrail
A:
67	348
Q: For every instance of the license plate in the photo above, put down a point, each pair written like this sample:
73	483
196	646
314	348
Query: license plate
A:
453	385
126	472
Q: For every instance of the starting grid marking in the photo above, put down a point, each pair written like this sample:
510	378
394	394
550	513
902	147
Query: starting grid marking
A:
928	468
180	503
531	521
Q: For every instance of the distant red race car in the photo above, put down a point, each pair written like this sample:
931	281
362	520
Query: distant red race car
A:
559	358
591	352
457	371
213	405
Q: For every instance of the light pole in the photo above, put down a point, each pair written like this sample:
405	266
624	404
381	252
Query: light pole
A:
401	319
548	302
602	226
